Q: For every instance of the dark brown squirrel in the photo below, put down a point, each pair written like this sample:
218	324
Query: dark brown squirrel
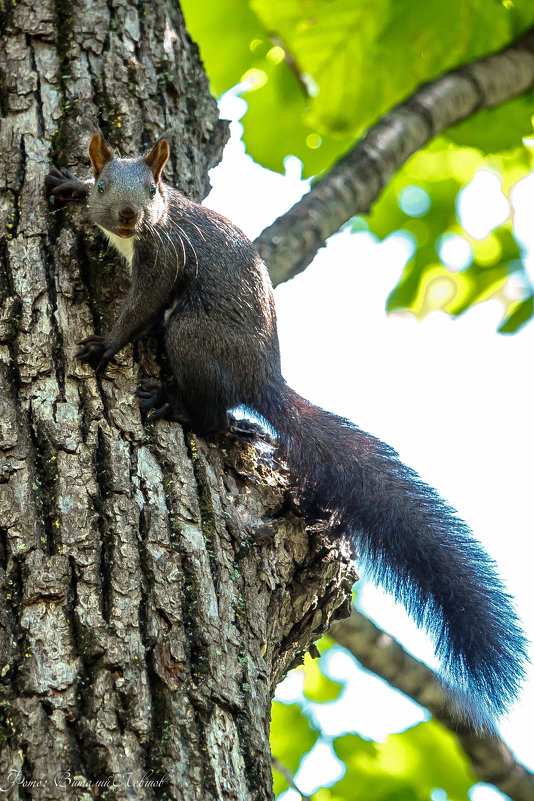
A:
205	276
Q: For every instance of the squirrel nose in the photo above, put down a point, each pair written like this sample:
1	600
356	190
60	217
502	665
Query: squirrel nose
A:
127	213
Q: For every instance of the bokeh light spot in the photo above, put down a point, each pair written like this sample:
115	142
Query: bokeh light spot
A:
276	55
414	200
455	251
440	291
313	141
255	78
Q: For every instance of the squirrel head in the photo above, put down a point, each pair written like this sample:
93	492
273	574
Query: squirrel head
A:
128	196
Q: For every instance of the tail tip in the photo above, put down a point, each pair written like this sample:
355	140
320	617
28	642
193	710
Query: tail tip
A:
480	695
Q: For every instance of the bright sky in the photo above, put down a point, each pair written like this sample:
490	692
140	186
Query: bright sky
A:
453	397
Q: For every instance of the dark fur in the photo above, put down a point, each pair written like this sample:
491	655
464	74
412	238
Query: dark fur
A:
222	344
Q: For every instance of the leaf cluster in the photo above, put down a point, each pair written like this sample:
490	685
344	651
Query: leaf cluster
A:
316	75
423	760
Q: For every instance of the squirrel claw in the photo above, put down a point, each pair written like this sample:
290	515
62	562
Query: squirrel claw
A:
56	176
152	397
62	185
245	429
160	413
149	386
95	350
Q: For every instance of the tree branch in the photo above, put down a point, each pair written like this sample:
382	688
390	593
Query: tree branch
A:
355	182
377	651
288	776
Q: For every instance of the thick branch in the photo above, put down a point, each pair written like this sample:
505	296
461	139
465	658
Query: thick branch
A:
377	651
355	182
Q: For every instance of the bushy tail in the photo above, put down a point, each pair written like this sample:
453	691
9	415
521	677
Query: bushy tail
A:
413	544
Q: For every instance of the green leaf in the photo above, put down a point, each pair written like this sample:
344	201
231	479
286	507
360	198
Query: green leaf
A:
321	73
228	34
332	69
519	314
317	687
406	766
291	738
442	170
331	42
360	59
427	284
496	129
275	124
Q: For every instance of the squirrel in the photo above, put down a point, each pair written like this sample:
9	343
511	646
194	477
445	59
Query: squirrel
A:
200	271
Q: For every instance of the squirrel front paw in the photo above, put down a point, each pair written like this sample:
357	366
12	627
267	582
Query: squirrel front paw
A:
96	350
62	185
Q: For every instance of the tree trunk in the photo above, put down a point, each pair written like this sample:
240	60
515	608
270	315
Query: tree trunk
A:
155	587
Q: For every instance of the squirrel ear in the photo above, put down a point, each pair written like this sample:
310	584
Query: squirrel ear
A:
157	158
99	153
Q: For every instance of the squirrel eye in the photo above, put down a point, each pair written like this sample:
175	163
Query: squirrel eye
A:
100	187
153	190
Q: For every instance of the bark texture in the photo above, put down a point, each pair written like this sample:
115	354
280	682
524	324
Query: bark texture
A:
490	757
155	587
355	182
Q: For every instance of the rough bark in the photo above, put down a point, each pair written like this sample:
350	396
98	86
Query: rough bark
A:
355	182
379	652
155	587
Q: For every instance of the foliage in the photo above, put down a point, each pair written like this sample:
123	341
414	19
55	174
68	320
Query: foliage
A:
443	171
291	738
405	767
316	75
410	766
322	73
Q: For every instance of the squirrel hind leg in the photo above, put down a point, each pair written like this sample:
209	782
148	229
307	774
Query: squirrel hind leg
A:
205	414
202	385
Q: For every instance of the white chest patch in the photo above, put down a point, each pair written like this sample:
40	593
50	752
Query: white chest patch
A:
169	311
124	246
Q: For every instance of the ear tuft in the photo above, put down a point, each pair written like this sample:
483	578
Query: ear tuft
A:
99	153
157	158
